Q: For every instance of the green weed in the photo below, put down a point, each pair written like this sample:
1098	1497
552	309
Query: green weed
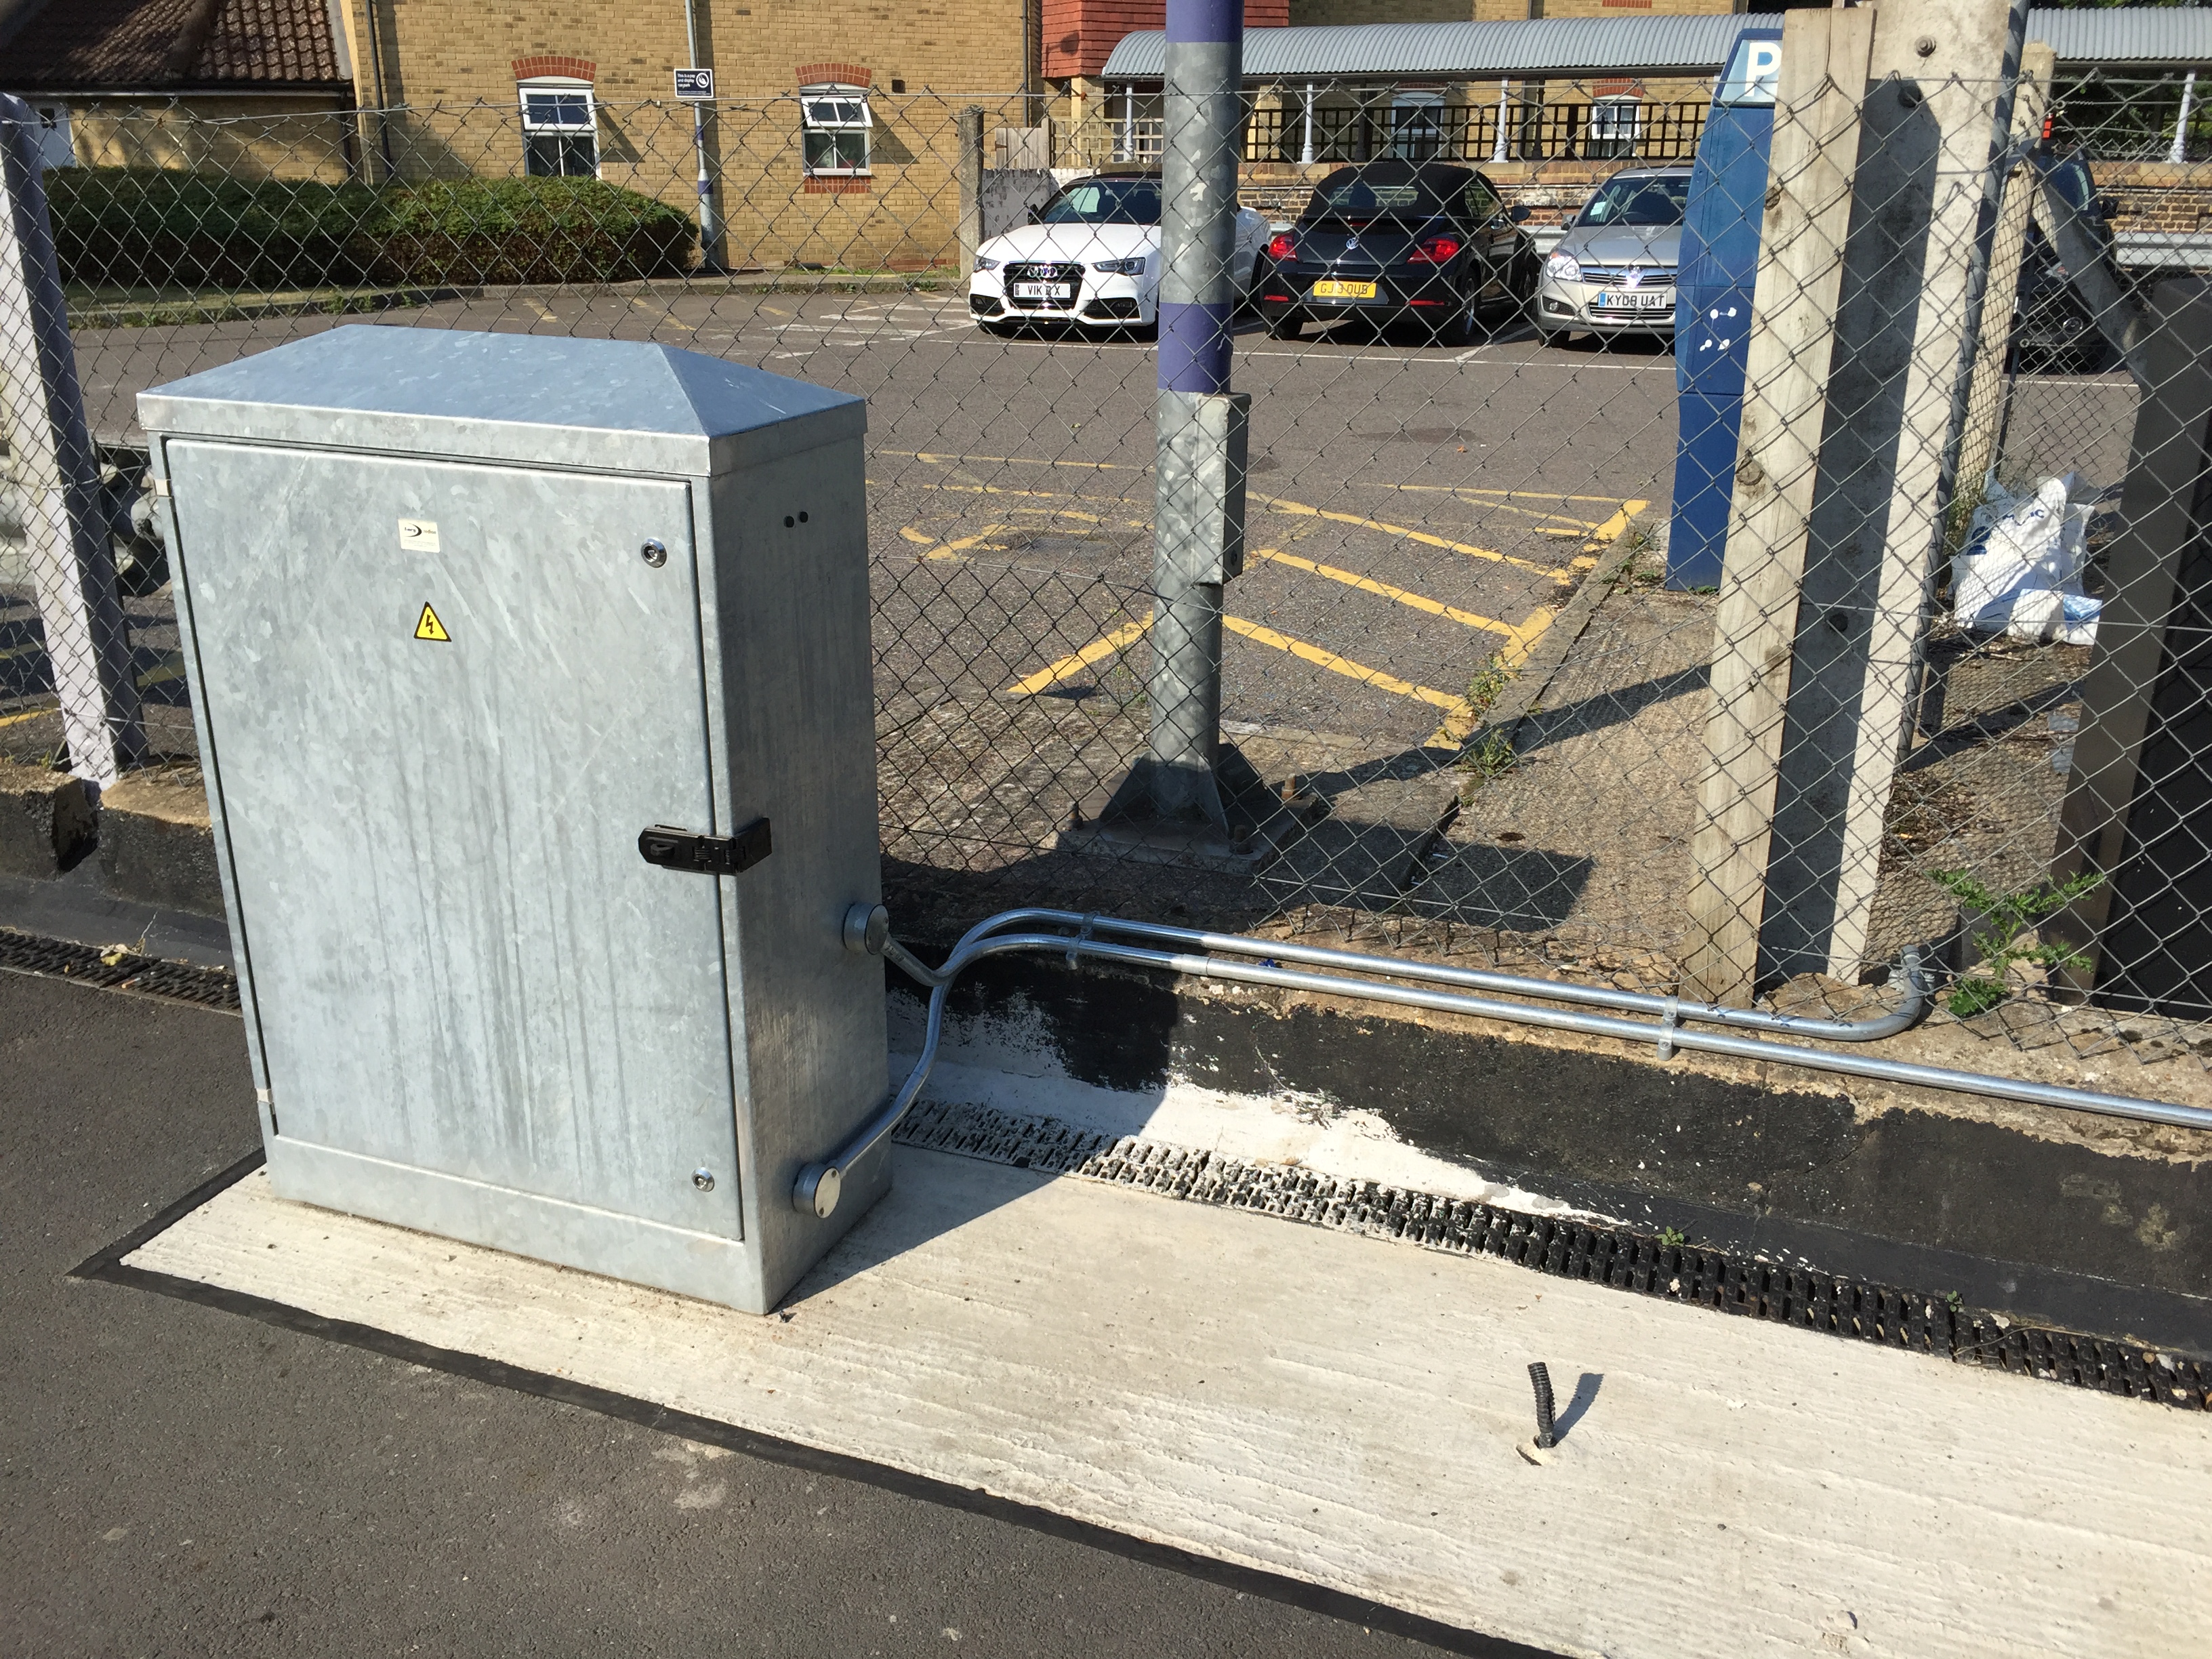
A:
2005	918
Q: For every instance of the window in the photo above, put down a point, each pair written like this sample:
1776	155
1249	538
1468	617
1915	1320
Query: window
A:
837	122
1417	126
1105	201
1646	199
559	129
1613	127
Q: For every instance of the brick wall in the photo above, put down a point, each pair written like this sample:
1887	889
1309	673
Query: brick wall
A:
245	136
2156	195
1079	35
452	61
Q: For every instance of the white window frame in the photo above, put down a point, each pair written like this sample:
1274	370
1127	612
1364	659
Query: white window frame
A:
570	124
1605	126
1421	112
833	107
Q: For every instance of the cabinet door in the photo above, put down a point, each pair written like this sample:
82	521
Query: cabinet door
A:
440	700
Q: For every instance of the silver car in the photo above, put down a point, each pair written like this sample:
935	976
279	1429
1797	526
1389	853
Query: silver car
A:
1613	271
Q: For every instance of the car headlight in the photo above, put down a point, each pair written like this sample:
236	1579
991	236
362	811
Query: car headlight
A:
1562	268
982	264
1120	267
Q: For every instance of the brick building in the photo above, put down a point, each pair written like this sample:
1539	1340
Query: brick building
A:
833	140
247	86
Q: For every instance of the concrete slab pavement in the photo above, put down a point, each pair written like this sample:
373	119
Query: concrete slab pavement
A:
1345	1413
176	1479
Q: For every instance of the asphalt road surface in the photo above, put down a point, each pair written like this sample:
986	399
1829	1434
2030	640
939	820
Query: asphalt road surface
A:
179	1479
1416	511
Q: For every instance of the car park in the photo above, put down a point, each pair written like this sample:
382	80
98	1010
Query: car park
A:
1396	240
1090	258
1613	271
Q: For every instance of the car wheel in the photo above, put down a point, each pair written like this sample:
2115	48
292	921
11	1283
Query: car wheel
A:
1466	324
1289	325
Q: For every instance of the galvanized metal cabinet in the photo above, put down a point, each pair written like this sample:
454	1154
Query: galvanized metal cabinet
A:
464	614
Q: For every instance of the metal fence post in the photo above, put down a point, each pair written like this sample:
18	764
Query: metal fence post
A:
65	529
1200	434
709	230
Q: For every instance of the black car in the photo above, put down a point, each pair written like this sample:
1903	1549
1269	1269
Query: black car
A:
1395	240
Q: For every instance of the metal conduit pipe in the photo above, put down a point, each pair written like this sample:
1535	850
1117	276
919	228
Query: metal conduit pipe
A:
817	1189
1669	1009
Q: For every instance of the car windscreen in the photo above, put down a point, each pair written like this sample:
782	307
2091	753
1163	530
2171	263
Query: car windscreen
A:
1359	199
1105	201
1637	202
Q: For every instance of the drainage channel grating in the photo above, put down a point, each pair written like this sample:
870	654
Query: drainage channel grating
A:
1567	1247
121	970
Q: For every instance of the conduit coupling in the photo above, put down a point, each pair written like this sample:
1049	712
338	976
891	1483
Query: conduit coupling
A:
1234	956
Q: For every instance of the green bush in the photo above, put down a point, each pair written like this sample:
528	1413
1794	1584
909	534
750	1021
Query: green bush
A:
150	227
146	228
524	230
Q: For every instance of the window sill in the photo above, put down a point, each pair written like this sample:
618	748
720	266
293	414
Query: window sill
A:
837	184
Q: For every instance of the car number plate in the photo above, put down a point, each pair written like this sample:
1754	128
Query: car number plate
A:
1648	299
1344	291
1043	291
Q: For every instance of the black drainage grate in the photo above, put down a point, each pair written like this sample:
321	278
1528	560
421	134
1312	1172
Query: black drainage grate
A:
121	970
1569	1249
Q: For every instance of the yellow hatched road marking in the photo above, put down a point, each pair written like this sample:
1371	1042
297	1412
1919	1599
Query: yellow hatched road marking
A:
1540	620
1344	665
1299	509
1503	494
1611	530
1008	460
1120	639
954	549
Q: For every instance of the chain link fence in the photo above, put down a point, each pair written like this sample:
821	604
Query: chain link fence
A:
1481	698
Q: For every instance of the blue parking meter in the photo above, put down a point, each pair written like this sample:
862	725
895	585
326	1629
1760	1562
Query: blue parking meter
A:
1712	304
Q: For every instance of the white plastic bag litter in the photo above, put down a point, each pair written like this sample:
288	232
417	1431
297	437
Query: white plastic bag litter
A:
2020	573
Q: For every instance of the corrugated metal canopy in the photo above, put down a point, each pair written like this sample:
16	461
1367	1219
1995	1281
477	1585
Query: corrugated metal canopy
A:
2163	36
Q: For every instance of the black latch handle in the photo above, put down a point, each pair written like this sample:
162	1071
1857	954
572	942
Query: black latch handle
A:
695	850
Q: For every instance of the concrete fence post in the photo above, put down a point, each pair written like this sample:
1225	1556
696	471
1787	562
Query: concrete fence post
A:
971	187
1813	698
57	473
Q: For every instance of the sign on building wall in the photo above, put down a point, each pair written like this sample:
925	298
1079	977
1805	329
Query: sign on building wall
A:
695	84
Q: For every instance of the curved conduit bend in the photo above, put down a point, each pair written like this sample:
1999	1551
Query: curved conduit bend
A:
1247	961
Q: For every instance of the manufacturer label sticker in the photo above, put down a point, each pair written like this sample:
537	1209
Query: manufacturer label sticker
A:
427	626
418	535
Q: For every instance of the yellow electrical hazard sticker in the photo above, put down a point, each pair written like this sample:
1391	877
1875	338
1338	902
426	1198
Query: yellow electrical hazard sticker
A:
429	627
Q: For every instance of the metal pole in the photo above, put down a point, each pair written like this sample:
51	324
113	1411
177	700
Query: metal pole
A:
1305	149
1497	148
1128	122
64	532
707	227
2179	153
1195	415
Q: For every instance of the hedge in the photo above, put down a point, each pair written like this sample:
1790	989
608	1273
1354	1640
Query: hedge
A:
147	228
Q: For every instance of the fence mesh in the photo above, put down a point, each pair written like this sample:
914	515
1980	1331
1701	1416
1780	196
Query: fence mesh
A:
1484	698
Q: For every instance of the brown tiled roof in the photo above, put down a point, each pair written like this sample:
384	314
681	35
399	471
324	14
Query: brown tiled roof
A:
172	45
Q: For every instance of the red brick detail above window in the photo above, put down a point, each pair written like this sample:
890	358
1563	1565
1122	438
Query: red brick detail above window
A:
1619	86
837	185
1080	35
824	75
1631	5
576	69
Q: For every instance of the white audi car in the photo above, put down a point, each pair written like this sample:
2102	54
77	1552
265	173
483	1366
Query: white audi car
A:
1090	256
